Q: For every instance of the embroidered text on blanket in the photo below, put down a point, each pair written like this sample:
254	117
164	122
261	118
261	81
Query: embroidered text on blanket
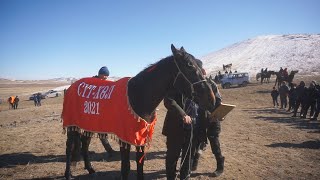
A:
89	90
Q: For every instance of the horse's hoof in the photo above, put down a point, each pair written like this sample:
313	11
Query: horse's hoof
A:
74	164
93	175
217	173
91	171
68	176
121	178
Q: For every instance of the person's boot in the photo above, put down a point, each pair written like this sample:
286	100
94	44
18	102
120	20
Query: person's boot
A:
220	166
195	162
313	118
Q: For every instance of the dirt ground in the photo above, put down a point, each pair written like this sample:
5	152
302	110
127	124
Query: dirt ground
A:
257	140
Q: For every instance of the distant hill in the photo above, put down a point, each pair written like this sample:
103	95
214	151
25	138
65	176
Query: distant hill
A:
295	52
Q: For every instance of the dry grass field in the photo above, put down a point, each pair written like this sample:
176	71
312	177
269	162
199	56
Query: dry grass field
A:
257	140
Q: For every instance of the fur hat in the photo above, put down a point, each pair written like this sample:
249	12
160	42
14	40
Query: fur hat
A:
104	71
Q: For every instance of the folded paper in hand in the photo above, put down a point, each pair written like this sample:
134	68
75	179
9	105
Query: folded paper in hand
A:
222	111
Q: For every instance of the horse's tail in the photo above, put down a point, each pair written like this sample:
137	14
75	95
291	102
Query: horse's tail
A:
258	76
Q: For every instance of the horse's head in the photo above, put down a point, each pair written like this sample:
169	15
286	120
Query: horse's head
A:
272	72
294	72
190	79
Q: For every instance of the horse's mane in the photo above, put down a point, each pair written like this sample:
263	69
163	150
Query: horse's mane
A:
150	67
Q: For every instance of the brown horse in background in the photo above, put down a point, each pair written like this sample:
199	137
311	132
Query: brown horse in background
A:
265	77
288	79
227	67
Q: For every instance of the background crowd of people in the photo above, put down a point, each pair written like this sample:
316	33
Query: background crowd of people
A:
298	97
37	99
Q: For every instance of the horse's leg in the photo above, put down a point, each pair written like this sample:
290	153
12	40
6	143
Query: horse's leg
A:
85	148
70	145
125	161
140	162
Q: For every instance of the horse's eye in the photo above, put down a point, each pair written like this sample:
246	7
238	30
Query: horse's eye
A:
190	64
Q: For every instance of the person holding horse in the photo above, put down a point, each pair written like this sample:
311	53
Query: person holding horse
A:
210	130
103	74
16	102
178	131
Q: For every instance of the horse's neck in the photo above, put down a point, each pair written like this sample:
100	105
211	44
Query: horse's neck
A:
291	76
147	89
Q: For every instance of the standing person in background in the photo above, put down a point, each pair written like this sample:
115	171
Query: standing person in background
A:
274	95
16	102
300	98
310	100
283	91
35	99
39	99
103	74
316	114
292	96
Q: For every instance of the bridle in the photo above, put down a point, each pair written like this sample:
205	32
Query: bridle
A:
185	77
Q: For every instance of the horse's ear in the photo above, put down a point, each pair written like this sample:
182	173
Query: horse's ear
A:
175	52
173	49
182	49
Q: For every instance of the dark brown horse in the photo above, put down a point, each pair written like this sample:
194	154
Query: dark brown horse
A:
281	78
265	77
227	67
145	92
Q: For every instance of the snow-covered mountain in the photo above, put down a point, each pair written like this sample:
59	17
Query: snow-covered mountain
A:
295	52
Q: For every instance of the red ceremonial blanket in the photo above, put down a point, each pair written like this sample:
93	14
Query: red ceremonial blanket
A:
102	106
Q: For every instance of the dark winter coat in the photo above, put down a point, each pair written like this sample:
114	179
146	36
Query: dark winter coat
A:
293	94
283	90
274	94
173	122
300	91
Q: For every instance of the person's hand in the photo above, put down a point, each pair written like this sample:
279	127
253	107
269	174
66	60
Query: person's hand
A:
187	119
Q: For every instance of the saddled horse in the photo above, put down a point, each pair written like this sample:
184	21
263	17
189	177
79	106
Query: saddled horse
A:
288	79
265	77
227	67
145	91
